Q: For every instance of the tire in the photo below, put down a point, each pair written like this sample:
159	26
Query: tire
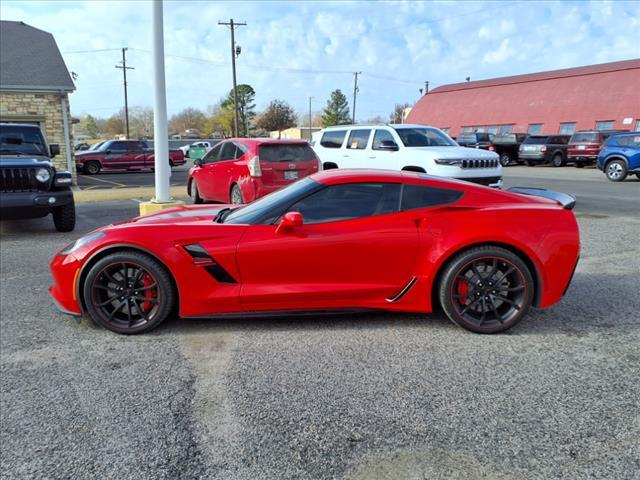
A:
638	176
92	167
235	196
579	165
529	163
147	297
486	274
64	217
616	170
505	159
195	194
557	160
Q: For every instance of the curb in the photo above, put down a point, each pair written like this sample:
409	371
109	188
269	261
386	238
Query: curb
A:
114	194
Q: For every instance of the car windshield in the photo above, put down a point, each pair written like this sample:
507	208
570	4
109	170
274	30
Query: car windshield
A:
584	137
95	146
21	140
424	137
267	208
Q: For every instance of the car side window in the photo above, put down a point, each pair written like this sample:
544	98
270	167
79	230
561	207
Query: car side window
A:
358	139
212	155
240	150
635	141
381	136
348	201
118	147
228	151
136	146
333	138
420	196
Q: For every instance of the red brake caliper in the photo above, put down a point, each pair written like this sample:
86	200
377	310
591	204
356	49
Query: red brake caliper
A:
463	291
146	281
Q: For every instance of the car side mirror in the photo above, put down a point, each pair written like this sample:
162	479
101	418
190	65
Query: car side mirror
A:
54	148
289	221
389	146
198	162
108	151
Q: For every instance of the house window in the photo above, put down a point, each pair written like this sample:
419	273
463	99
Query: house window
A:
638	125
535	128
492	129
481	129
466	129
604	125
505	129
567	128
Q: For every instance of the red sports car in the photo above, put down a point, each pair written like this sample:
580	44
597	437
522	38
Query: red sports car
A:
240	170
339	240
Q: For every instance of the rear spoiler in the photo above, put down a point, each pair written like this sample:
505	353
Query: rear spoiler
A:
567	201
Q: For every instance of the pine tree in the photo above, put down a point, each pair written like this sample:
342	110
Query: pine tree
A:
337	110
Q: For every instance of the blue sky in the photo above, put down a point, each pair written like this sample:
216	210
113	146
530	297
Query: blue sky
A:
293	50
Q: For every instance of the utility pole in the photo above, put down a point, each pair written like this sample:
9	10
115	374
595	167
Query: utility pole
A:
310	98
355	92
234	52
124	68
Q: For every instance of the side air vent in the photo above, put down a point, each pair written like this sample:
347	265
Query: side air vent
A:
213	268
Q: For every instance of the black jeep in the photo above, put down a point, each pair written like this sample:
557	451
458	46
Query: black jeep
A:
30	186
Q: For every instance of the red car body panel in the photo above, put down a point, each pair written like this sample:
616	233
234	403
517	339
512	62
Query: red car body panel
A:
215	180
136	156
357	263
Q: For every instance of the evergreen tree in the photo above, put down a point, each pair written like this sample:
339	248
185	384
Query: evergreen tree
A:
337	110
246	107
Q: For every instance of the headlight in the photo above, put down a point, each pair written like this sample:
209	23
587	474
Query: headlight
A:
43	175
81	242
448	161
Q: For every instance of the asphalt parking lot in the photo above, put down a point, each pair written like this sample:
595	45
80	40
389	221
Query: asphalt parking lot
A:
383	396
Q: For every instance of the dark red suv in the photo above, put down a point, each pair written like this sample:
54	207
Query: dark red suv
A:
239	170
584	147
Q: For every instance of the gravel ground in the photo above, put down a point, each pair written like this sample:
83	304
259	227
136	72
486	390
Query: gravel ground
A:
362	397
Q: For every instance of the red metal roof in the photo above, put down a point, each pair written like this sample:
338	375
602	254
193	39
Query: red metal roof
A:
581	95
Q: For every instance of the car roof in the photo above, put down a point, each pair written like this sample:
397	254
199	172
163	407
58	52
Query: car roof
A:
15	124
365	175
262	141
365	125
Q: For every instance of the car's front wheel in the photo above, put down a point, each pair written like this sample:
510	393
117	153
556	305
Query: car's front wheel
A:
92	167
129	292
64	217
486	289
616	170
557	160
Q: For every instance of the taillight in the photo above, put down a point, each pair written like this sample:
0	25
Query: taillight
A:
491	149
543	149
254	167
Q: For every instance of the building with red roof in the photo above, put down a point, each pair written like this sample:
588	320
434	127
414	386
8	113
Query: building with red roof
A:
604	97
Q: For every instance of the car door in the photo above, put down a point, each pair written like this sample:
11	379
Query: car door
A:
353	249
330	148
380	157
137	157
356	148
224	171
205	175
116	155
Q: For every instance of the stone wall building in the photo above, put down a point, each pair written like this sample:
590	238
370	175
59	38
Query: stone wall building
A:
35	85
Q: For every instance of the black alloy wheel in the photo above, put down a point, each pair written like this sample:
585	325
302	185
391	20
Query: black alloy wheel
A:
505	159
486	290
128	292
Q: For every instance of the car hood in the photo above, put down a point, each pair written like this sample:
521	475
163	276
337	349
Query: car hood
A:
25	161
455	152
177	215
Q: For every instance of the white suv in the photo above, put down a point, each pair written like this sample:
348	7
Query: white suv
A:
405	147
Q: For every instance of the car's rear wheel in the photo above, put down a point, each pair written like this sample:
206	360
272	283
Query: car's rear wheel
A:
638	176
64	217
128	292
195	193
505	159
529	163
616	170
578	164
92	167
486	289
235	197
557	160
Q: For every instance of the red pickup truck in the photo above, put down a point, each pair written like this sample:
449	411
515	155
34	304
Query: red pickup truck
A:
122	155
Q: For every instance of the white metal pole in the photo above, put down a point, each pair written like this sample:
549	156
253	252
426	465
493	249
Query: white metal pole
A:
160	129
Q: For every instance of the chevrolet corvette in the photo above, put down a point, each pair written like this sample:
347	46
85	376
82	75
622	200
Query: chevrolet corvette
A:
336	241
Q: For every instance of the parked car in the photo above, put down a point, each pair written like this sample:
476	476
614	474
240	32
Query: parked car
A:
122	155
507	146
544	149
476	140
336	241
198	149
239	170
415	148
30	185
80	146
620	156
584	147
